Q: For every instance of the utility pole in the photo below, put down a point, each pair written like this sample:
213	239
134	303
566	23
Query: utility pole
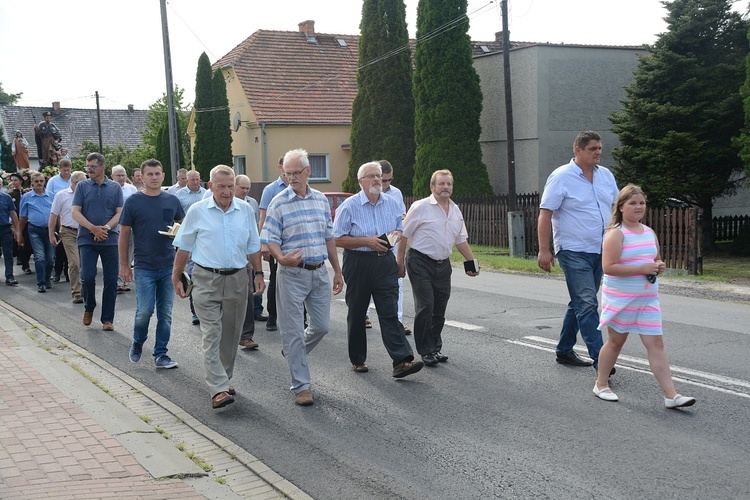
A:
516	232
99	122
174	155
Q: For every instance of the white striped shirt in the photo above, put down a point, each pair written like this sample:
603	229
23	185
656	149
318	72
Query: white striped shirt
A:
359	218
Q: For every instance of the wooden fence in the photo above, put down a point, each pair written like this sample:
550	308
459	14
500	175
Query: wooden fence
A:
486	218
727	228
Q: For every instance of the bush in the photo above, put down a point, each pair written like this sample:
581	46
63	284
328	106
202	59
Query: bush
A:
741	243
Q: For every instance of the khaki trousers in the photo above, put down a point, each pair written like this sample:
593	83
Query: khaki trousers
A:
69	238
220	303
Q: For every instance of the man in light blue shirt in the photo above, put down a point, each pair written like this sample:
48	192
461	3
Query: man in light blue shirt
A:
61	180
269	193
35	210
219	235
192	193
363	222
576	206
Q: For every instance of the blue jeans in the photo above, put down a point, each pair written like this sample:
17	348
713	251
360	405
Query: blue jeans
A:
44	253
109	255
153	288
583	275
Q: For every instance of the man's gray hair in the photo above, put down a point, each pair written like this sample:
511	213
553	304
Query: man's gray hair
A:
193	173
361	171
78	176
119	169
182	171
299	154
221	170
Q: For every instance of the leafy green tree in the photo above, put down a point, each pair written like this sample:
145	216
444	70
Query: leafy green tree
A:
202	147
156	122
684	107
114	155
221	124
383	111
448	100
8	99
742	142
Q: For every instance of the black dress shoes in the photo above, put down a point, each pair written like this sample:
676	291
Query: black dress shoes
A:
440	356
571	358
271	324
41	289
260	317
11	282
429	360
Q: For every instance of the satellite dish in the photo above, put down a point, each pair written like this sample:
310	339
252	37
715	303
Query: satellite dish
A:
236	121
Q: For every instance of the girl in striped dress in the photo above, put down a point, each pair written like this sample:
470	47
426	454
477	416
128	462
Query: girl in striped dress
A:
630	295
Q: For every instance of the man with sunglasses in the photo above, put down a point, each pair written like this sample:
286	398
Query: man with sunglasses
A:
96	207
35	210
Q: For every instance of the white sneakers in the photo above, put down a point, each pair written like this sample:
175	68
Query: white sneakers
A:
679	401
605	393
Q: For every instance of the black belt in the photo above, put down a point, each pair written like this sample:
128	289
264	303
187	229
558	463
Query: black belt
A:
5	226
38	227
223	272
71	228
311	267
369	253
427	256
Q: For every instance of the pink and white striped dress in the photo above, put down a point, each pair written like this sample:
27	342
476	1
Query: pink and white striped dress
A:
630	304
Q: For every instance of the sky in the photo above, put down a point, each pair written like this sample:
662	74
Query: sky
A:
116	48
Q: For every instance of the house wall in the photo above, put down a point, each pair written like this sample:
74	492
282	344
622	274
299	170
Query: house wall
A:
558	91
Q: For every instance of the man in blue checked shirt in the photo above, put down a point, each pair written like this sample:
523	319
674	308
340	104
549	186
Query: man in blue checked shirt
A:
362	227
299	235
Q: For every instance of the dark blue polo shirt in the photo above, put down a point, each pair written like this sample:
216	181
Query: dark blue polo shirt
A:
98	203
6	207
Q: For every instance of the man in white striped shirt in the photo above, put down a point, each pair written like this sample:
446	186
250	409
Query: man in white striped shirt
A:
299	235
363	225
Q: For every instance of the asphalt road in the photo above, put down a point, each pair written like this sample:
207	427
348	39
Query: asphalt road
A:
500	419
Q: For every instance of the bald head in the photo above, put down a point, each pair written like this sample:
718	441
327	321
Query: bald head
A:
242	186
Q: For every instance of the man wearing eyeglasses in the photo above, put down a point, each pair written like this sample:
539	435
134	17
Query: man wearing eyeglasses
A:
97	203
35	210
299	234
366	226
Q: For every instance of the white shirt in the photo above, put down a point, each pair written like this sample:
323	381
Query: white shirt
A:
61	206
431	230
127	191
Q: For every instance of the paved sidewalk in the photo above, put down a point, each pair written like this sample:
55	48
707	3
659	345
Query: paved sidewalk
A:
73	426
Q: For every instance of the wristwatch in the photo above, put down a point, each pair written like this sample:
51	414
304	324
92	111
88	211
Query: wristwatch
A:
107	227
258	272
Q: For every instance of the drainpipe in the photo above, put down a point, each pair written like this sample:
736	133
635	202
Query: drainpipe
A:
265	151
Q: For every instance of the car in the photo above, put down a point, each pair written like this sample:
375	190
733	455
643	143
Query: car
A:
335	200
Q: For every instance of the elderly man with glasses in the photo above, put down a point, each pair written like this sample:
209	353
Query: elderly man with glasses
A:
97	203
35	210
366	226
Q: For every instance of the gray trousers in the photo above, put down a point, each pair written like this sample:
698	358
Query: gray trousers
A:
220	303
297	289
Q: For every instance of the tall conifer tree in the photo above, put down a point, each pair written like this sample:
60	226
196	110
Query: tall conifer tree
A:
221	124
202	147
383	111
448	100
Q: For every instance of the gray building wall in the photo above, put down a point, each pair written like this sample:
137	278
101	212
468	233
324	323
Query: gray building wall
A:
558	91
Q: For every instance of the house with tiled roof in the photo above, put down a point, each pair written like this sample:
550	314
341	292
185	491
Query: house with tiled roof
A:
118	126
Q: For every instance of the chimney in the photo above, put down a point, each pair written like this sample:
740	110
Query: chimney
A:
307	27
130	108
499	36
56	108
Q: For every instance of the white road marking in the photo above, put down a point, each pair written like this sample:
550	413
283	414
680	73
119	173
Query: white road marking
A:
465	326
711	380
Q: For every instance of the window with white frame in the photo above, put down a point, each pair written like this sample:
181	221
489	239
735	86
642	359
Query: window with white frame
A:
319	168
239	165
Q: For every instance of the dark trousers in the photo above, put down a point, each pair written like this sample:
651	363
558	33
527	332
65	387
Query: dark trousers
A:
61	261
369	274
271	290
6	243
248	326
23	253
431	286
109	255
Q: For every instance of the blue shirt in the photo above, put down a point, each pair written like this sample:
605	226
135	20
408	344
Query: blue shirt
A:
219	239
56	184
270	192
580	209
147	215
36	208
295	222
187	197
357	217
98	203
6	207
